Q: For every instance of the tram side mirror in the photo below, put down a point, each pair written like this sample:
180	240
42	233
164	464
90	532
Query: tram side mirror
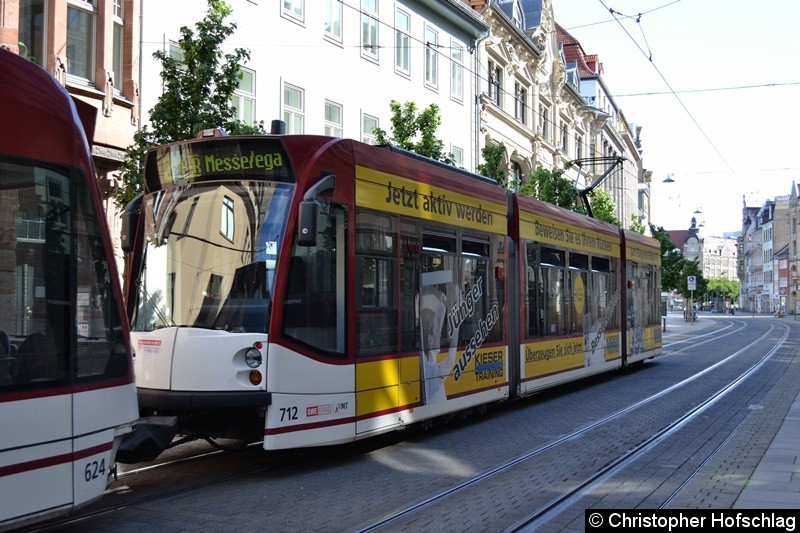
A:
307	216
130	224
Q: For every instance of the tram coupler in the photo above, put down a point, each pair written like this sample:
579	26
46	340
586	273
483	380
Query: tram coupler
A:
151	435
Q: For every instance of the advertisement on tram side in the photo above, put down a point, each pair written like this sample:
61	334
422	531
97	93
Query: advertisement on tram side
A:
386	192
543	230
550	357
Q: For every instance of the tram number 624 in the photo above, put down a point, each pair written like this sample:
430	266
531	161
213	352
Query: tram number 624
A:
288	413
94	470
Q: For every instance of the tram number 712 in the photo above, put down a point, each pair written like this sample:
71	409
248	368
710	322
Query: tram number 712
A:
288	413
94	470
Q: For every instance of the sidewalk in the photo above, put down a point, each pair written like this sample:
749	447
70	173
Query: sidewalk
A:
775	480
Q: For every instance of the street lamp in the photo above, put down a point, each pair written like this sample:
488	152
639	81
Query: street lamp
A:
669	178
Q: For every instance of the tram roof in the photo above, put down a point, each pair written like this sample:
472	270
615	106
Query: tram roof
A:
565	216
39	119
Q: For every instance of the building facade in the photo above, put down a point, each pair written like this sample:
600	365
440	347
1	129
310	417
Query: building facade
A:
332	67
544	99
501	72
92	48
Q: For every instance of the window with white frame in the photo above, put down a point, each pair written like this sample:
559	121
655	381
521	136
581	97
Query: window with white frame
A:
578	147
564	136
368	126
458	156
495	83
244	97
457	72
333	19
520	102
402	50
293	8
293	108
544	121
81	16
431	57
369	29
118	40
333	119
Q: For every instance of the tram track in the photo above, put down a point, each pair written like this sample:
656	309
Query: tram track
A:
221	475
108	507
547	512
540	517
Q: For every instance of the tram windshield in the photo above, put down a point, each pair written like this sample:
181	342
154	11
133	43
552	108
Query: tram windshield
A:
211	249
57	319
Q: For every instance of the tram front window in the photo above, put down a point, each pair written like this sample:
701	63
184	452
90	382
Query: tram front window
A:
210	256
55	283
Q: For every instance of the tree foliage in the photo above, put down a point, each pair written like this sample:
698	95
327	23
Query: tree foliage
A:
492	166
550	186
198	87
415	131
637	226
691	268
676	269
723	287
603	207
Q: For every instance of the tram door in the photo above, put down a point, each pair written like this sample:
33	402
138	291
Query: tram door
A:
378	384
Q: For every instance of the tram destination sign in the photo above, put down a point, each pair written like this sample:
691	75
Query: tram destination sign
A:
213	159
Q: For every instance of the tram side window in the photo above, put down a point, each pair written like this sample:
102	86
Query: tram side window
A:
313	309
552	273
646	288
578	291
534	303
634	304
653	288
602	297
376	299
409	287
437	294
477	293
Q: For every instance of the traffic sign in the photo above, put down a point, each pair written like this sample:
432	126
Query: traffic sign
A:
692	282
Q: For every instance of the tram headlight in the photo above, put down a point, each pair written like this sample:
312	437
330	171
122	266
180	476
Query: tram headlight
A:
253	358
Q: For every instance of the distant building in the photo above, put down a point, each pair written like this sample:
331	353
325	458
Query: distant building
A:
716	256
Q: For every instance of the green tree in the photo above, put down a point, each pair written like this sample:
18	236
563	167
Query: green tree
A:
415	131
550	186
492	166
198	87
637	226
674	268
723	288
692	268
603	207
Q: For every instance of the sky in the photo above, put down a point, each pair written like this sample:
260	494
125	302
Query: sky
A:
715	86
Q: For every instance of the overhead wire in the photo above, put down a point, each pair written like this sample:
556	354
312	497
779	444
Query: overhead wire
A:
711	89
675	94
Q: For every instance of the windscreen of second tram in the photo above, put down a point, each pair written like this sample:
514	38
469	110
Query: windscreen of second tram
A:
211	249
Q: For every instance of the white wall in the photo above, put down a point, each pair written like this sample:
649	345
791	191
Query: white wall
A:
287	50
